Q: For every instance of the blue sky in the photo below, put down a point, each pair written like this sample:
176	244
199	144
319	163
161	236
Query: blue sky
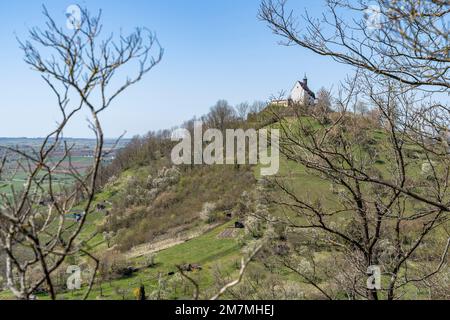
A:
214	49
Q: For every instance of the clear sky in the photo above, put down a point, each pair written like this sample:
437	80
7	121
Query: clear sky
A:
214	49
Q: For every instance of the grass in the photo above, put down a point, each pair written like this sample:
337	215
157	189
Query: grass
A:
211	252
208	250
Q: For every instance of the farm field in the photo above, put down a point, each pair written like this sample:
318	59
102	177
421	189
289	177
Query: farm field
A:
14	174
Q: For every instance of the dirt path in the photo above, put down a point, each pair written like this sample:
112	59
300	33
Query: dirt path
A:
168	241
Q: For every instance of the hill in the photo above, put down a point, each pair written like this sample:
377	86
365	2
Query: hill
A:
155	223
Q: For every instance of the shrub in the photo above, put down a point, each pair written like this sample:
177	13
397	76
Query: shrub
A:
207	214
254	227
150	260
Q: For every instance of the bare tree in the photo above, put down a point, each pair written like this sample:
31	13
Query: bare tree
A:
400	50
409	44
324	100
386	215
323	105
396	39
36	231
242	110
220	116
258	106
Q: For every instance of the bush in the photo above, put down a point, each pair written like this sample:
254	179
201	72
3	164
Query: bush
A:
150	260
254	226
207	214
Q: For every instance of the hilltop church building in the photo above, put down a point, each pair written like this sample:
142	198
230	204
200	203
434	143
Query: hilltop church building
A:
300	94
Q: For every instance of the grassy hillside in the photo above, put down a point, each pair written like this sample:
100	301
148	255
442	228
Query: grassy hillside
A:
211	251
157	219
